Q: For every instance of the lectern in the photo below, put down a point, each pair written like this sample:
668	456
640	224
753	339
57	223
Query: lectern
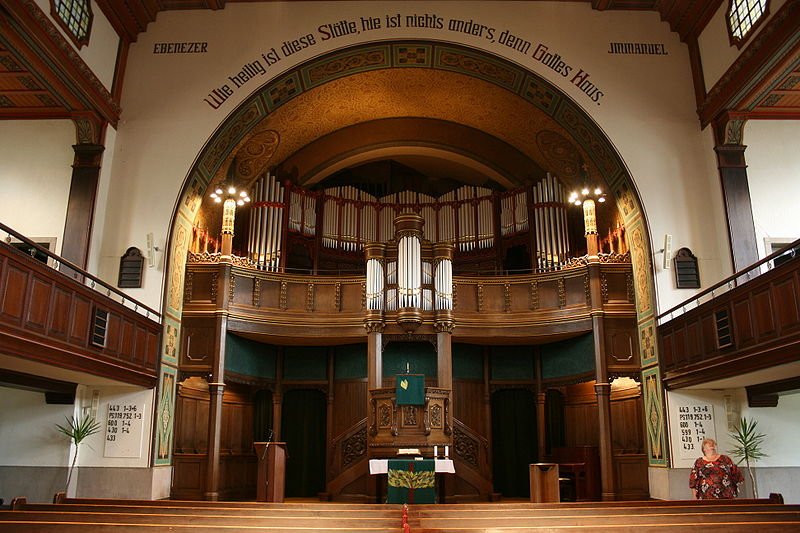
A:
271	471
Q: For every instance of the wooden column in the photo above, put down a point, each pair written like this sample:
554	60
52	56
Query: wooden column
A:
541	428
738	207
216	386
277	398
602	387
728	135
81	203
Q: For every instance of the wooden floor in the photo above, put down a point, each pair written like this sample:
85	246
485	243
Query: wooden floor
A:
140	516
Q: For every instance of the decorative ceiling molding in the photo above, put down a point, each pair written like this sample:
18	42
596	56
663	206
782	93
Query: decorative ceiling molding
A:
48	77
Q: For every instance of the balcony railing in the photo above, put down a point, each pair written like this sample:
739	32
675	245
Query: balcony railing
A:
9	236
743	276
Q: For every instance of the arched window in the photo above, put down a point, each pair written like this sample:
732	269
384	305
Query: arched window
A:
75	18
743	17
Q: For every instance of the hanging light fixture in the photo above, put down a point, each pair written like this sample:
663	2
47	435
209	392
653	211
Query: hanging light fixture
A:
224	192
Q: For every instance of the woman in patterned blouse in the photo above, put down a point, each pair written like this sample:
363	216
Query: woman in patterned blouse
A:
714	475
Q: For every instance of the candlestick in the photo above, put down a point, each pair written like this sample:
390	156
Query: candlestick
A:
435	452
447	451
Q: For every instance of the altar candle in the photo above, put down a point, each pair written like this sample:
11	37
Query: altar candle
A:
435	451
446	451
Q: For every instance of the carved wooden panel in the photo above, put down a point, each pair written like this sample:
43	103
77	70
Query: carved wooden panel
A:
113	334
198	336
39	307
200	286
630	476
693	350
351	294
140	354
762	309
575	291
127	341
81	317
188	477
12	298
350	397
616	287
787	307
468	404
243	291
548	295
59	317
270	294
743	323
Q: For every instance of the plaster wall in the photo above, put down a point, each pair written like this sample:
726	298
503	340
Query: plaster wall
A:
100	54
716	51
36	172
773	173
647	109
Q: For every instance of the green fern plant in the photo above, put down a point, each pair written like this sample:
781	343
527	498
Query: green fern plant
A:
749	446
77	430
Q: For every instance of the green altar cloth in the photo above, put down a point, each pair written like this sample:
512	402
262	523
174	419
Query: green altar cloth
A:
411	481
410	389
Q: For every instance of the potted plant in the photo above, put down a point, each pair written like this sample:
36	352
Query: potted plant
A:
77	430
749	447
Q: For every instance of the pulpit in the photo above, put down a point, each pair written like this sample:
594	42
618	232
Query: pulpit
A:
271	471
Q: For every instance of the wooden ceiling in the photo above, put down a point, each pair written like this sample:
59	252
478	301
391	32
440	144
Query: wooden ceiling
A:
41	75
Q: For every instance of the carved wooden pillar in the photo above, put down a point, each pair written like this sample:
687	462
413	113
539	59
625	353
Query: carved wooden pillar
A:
602	387
541	428
216	386
81	203
728	132
277	398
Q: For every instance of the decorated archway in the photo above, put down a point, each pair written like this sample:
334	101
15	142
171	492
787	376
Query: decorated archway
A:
411	97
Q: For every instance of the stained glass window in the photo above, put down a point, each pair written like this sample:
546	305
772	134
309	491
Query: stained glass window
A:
743	16
75	17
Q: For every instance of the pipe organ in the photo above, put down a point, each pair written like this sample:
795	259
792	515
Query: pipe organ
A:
345	219
550	223
266	223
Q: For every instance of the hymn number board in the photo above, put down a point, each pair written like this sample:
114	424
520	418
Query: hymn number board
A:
695	423
124	429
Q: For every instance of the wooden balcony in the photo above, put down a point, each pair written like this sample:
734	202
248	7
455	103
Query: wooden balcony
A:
51	318
283	307
747	322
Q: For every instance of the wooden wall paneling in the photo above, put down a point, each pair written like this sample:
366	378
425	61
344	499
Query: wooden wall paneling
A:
201	285
627	421
520	297
548	295
350	404
787	313
469	406
188	477
12	299
243	290
151	361
581	424
325	297
270	294
631	478
617	286
128	340
41	291
140	345
710	348
351	297
494	298
59	316
764	313
679	344
297	295
81	318
575	290
466	297
743	322
113	334
693	345
198	338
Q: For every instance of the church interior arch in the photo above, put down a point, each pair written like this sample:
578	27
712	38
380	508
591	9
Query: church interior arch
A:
384	129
